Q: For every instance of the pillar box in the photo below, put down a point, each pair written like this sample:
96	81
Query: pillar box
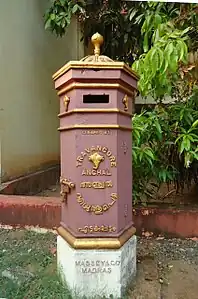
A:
96	245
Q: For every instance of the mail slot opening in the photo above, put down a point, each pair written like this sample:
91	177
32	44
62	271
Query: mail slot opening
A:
96	98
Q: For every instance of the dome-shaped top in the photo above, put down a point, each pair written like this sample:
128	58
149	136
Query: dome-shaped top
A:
97	41
95	61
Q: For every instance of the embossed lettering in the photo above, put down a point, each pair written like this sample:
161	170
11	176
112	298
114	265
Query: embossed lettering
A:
95	132
87	150
104	149
113	164
99	148
79	159
97	229
97	185
93	172
96	209
92	267
109	154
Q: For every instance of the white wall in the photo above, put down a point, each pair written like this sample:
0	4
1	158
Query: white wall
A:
150	100
28	103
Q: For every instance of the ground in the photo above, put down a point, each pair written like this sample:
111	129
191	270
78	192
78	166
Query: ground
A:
167	268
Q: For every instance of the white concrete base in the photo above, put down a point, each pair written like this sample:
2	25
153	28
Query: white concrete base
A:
97	272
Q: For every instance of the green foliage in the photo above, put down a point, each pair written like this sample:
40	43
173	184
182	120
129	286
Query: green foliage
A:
167	39
58	16
128	27
158	67
159	40
169	132
118	21
165	147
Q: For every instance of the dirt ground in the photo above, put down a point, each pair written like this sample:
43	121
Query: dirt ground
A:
167	268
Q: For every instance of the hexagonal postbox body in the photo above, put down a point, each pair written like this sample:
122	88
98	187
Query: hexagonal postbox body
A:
96	147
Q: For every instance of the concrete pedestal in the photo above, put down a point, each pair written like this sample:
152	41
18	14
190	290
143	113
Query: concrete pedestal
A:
97	272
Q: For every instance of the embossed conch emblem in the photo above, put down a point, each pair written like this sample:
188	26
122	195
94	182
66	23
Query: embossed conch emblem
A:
96	159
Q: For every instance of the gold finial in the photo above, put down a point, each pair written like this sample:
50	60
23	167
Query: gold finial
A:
97	41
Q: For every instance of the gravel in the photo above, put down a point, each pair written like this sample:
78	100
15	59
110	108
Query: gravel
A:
163	250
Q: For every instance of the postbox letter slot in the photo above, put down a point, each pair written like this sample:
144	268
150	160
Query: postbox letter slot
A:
96	99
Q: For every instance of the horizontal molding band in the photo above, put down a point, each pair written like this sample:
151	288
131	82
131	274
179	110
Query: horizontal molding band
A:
96	243
75	85
98	126
93	66
83	110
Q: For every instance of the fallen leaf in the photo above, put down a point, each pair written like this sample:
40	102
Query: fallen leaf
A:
145	212
160	238
147	234
194	239
53	251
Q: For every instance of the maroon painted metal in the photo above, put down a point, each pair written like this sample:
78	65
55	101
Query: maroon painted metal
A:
96	147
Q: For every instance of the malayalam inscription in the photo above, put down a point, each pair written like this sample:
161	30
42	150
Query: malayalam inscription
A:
96	185
97	229
96	209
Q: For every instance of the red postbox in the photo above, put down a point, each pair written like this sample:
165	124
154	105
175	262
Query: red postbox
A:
96	99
